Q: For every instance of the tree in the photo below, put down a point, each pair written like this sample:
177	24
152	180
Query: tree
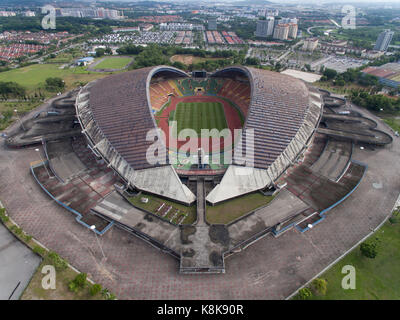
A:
108	51
252	61
11	89
330	73
340	83
100	52
55	84
369	248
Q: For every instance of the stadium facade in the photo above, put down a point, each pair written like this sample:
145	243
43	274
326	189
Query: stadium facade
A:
116	115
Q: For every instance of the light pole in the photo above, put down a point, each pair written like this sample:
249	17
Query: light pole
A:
93	228
22	125
38	151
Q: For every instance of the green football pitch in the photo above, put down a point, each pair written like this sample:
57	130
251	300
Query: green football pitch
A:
199	115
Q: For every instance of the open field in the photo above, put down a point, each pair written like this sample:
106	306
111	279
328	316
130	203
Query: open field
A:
155	202
199	115
113	63
188	59
34	76
233	209
377	278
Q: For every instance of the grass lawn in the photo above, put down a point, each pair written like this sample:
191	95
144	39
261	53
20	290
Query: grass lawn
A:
377	278
113	63
230	210
200	115
35	291
7	111
34	76
394	123
155	202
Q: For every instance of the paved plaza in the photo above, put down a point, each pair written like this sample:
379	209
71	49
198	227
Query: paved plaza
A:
269	269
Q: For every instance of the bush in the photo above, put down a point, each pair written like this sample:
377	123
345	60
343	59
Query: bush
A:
16	230
4	218
59	263
39	250
55	84
79	282
319	286
107	294
369	248
393	219
95	289
304	294
72	286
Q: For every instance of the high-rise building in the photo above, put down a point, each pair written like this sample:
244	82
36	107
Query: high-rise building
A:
310	44
384	39
293	30
265	28
281	31
212	23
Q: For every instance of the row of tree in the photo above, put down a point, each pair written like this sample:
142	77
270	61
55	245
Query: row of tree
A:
160	54
11	90
375	102
349	76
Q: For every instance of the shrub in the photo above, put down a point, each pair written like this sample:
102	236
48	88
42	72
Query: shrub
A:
320	286
72	286
39	250
4	218
79	282
95	289
369	248
107	294
59	263
393	219
16	230
304	294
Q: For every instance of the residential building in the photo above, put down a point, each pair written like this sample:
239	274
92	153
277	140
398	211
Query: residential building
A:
310	44
384	39
212	23
265	28
281	31
293	30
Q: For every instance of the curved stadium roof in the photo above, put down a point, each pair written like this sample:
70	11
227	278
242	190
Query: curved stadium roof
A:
115	114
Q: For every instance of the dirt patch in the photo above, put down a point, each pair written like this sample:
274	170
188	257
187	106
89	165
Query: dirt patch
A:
216	259
219	234
186	232
189	253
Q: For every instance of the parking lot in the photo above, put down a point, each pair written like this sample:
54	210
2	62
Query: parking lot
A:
143	37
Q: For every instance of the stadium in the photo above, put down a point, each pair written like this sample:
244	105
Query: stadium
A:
117	112
113	155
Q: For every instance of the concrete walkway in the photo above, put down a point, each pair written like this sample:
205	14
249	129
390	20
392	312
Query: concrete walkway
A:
17	265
